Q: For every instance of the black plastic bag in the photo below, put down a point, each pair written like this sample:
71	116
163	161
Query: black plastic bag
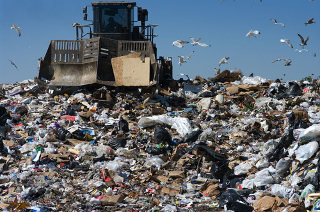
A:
78	134
230	195
116	143
239	207
61	134
294	90
193	136
219	168
4	116
210	151
123	125
156	151
161	135
21	110
70	165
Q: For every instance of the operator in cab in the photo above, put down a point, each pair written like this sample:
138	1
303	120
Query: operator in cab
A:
112	26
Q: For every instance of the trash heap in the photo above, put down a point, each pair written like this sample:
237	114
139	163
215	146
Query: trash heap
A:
228	143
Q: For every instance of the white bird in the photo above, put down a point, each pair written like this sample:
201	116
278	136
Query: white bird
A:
183	75
276	23
179	43
181	60
286	41
79	26
16	28
303	41
288	63
252	33
224	60
217	71
301	50
39	62
196	42
190	55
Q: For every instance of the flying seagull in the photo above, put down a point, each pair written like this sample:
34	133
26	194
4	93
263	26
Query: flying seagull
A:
288	63
251	33
280	60
181	60
184	75
310	21
13	64
224	60
276	23
196	42
302	50
223	1
314	54
190	55
286	41
179	43
217	71
16	28
303	42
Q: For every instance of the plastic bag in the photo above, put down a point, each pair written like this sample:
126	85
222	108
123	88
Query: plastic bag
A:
153	161
304	152
116	143
281	190
266	176
181	125
311	133
242	168
283	165
230	195
161	135
219	169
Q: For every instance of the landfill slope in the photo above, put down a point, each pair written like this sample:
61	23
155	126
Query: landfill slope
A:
228	143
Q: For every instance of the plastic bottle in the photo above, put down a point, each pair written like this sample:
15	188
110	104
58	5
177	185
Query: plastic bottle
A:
308	190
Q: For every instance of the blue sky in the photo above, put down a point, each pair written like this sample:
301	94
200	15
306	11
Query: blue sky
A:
221	25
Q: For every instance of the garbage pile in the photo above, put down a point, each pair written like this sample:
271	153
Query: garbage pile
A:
229	143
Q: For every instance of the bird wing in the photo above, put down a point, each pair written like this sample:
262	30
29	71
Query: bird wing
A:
14	26
274	20
176	43
203	44
306	40
310	20
183	42
302	40
198	40
13	64
190	55
19	31
281	24
256	32
193	40
181	59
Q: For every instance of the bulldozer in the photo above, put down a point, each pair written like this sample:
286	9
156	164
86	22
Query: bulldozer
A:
113	50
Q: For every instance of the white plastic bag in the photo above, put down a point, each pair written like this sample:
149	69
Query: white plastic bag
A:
304	152
311	133
153	161
242	168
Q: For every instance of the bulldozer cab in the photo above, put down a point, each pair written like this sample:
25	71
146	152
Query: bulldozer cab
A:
113	20
115	51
